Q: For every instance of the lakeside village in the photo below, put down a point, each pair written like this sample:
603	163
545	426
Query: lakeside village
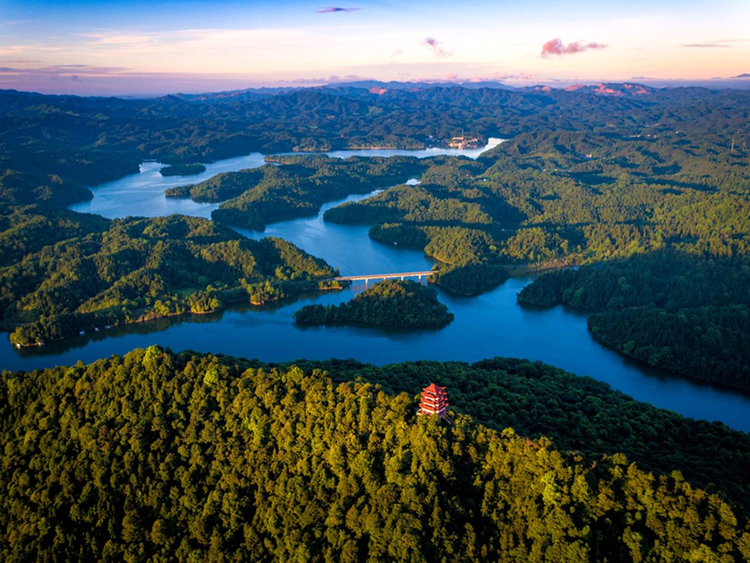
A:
462	142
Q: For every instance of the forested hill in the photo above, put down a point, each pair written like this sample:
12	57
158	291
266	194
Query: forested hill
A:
551	198
66	272
52	147
295	185
577	413
192	457
389	303
677	311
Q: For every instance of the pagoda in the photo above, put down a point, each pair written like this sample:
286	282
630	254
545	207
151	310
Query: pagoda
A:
434	401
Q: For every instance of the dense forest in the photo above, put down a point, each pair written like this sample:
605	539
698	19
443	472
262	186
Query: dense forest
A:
575	197
197	457
294	186
589	176
53	147
544	200
677	311
644	193
114	272
577	413
389	303
27	229
708	343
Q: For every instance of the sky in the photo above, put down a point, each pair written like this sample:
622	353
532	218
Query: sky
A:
107	47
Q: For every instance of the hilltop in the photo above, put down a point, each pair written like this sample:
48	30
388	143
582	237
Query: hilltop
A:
389	303
157	455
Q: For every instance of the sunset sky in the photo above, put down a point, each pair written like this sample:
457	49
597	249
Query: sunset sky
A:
129	48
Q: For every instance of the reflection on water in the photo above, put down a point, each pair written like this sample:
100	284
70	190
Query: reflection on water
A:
492	324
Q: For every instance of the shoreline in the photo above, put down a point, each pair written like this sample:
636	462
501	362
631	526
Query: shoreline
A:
291	150
144	319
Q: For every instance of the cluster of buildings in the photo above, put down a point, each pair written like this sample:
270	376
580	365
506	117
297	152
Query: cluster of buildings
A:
462	143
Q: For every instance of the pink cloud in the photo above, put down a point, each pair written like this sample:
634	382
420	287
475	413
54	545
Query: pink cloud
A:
557	47
334	9
438	48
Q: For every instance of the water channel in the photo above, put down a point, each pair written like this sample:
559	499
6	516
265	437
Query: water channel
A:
492	324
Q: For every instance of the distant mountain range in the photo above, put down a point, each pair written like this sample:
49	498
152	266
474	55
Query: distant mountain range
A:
601	89
51	147
376	87
414	86
604	89
370	86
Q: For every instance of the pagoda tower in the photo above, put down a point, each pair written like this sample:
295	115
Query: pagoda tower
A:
434	401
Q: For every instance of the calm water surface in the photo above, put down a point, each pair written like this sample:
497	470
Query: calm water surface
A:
143	194
492	324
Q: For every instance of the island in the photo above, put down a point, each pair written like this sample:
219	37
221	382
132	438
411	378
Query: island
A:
389	303
188	169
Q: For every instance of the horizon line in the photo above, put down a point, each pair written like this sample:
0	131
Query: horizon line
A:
721	83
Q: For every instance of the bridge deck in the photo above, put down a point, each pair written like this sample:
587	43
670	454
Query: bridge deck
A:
401	275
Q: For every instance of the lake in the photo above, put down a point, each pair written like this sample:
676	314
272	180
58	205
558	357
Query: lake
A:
492	324
143	194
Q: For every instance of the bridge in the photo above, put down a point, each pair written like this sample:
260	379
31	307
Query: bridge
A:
367	277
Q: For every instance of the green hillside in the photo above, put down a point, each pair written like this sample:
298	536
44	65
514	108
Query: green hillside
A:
196	457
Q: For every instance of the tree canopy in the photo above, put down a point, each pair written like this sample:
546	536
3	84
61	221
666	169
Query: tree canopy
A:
197	457
674	310
129	270
389	303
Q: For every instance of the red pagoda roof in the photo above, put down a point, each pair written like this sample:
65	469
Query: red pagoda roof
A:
432	388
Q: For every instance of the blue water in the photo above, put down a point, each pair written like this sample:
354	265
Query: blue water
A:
347	247
492	324
143	194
